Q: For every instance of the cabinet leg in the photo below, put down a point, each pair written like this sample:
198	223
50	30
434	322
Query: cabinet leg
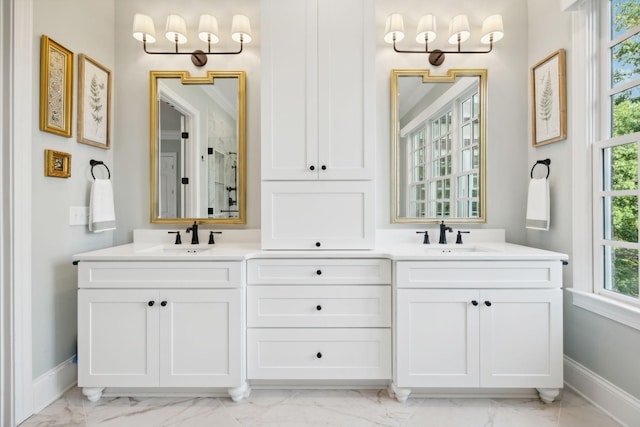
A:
239	393
547	395
93	393
401	394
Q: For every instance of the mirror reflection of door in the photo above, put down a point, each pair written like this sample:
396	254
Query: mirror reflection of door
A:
171	161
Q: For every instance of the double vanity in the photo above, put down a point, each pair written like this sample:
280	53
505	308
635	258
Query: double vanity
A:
154	317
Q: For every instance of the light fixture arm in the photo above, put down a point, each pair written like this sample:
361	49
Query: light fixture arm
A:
198	57
436	56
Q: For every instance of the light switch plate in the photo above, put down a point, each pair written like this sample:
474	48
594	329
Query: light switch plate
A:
78	215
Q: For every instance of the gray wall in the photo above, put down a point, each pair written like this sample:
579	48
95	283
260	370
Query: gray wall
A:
82	27
607	348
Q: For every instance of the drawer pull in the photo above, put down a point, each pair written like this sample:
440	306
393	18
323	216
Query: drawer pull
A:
317	244
487	303
150	303
319	355
324	167
319	272
474	302
163	303
312	168
318	307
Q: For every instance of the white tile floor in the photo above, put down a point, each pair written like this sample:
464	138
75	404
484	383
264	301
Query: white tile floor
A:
352	408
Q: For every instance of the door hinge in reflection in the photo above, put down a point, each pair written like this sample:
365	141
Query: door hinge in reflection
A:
185	135
185	180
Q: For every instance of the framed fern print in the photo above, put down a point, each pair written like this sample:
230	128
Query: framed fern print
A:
549	100
94	103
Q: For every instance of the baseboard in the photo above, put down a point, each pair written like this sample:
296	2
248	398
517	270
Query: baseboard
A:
616	402
50	386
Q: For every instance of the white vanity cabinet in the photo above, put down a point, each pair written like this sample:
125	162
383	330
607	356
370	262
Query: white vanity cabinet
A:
160	324
318	89
478	324
318	319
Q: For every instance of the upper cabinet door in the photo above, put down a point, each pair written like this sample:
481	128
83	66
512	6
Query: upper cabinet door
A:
318	90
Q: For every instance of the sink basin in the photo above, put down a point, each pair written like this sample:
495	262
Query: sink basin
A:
457	249
179	249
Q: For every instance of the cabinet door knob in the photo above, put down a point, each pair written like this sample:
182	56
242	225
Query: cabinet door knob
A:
318	307
319	355
312	168
319	272
323	167
317	244
474	302
163	303
487	303
151	303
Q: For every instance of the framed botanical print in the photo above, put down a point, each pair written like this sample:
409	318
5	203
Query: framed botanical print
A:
56	87
549	100
57	164
94	103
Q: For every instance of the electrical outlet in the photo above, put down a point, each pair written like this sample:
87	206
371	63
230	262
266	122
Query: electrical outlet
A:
78	215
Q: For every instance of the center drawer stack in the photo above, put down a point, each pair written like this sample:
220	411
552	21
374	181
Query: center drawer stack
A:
319	318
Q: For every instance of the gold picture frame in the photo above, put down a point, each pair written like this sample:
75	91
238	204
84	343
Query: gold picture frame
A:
57	164
94	103
56	87
549	100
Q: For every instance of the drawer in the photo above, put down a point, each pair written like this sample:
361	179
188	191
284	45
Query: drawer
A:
154	274
319	354
319	306
479	274
319	271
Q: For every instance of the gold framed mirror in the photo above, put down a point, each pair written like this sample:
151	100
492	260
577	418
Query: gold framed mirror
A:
438	146
197	147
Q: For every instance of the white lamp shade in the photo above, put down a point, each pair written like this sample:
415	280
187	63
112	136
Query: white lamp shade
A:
492	26
208	29
176	30
241	28
459	26
143	28
426	29
394	26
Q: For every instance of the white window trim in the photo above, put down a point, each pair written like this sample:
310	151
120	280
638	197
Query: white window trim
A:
585	129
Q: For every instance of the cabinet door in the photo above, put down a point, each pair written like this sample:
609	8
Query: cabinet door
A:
521	336
200	343
318	215
437	338
117	338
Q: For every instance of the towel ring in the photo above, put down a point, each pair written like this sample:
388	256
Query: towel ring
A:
545	162
96	163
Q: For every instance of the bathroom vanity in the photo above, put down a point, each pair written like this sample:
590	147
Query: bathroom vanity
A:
414	318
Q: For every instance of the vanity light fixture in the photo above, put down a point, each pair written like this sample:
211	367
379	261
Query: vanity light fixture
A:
492	31
176	32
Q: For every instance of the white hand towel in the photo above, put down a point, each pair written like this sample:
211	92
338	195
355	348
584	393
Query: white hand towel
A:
538	206
102	215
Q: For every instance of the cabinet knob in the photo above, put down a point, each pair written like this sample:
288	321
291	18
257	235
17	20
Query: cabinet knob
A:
323	167
474	302
487	303
150	303
312	168
318	307
319	355
317	244
319	272
163	303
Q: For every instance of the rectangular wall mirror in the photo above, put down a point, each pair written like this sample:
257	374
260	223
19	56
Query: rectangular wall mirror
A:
438	146
197	147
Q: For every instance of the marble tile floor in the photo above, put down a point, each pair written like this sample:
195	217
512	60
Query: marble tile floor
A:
293	408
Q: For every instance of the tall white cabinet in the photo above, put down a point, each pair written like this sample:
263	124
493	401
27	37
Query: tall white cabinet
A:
318	112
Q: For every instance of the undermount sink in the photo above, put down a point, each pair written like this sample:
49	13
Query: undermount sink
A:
179	249
457	249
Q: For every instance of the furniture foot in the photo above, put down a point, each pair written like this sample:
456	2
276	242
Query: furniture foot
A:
401	394
239	393
547	395
93	393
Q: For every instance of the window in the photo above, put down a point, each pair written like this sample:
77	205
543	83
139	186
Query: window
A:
443	156
616	159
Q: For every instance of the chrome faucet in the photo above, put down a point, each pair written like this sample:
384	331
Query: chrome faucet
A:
443	233
194	237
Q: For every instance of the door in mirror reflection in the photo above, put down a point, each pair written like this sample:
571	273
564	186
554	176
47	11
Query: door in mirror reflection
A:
438	146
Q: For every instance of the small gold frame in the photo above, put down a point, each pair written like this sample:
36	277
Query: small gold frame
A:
57	164
56	87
